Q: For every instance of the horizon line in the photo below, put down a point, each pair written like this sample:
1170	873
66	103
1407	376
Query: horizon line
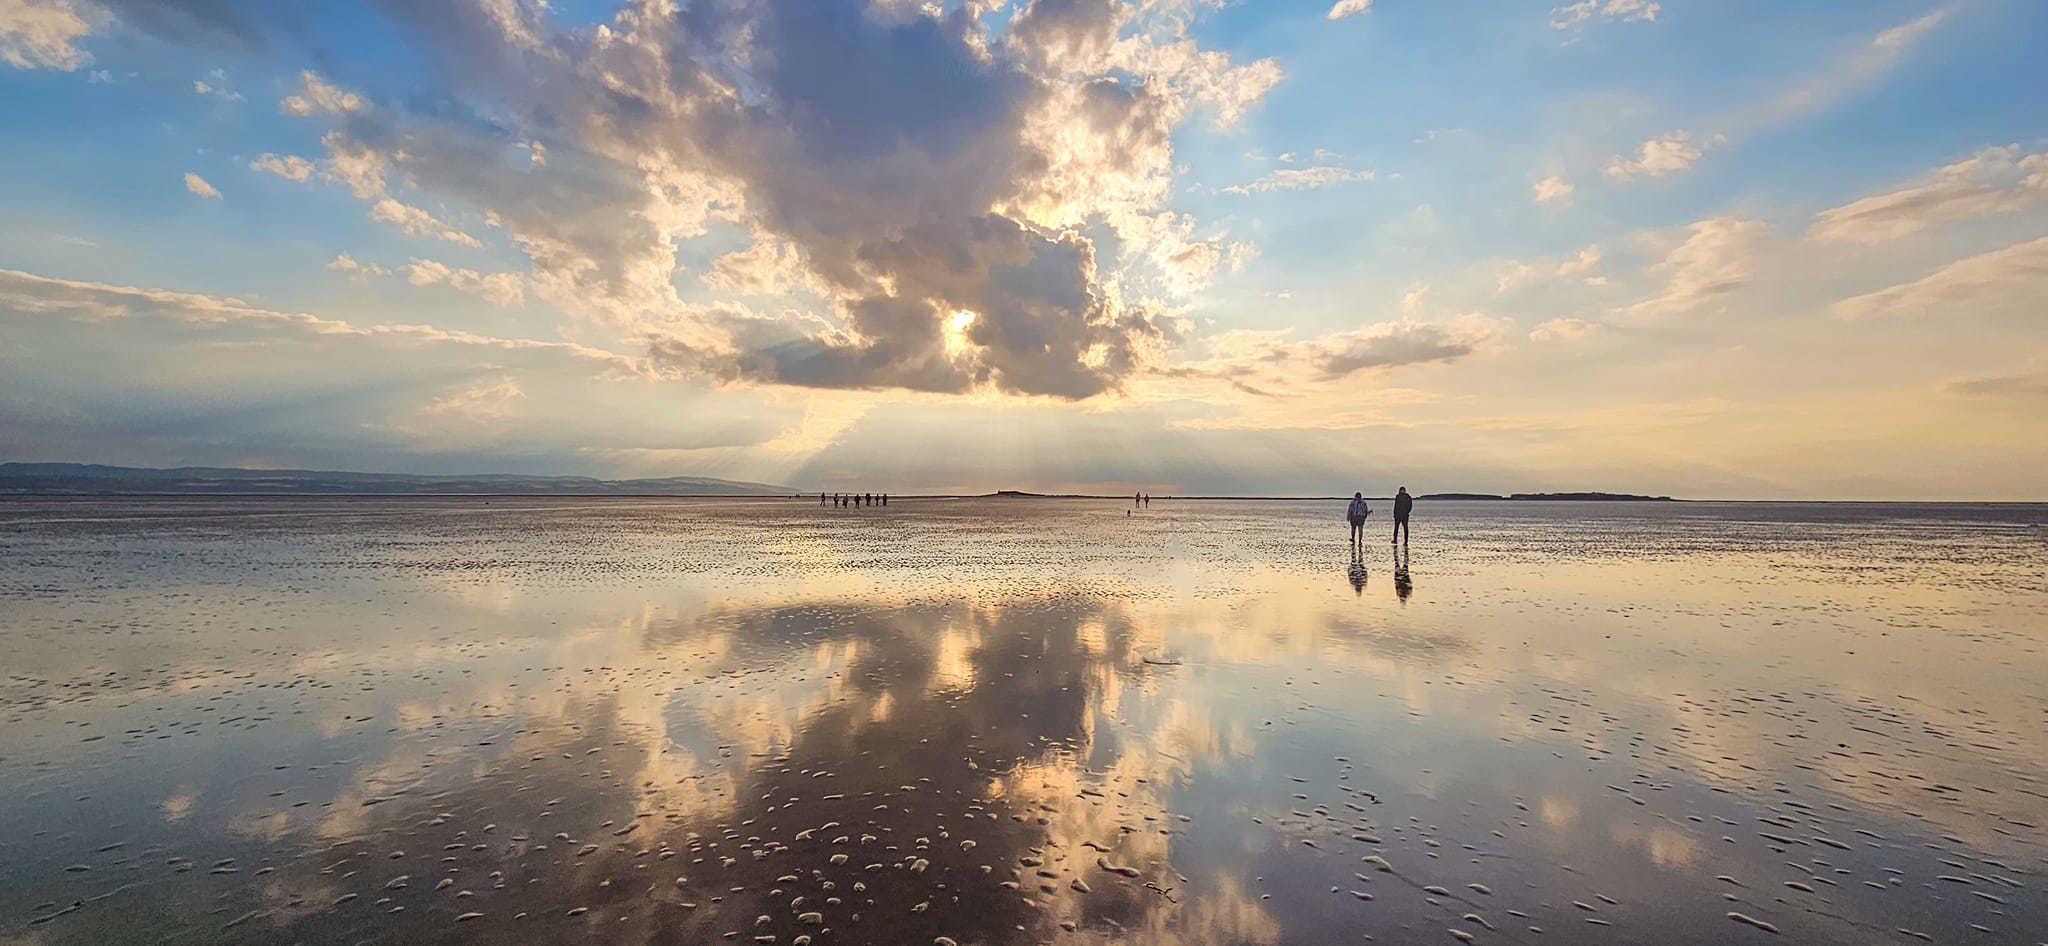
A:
778	490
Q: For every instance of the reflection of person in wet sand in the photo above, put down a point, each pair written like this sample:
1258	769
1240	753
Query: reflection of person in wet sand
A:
1357	573
1357	513
1403	587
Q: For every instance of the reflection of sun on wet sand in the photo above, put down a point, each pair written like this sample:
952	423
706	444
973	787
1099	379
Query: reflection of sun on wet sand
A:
894	732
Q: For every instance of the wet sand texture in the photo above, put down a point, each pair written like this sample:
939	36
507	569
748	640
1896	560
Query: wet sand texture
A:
707	721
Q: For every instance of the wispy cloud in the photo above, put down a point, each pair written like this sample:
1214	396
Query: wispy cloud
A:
1294	179
1575	14
1678	151
1993	181
1715	258
2015	275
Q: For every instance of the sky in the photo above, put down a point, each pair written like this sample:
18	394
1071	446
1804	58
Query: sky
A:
1704	248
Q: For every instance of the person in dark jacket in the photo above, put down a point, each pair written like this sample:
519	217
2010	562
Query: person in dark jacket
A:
1356	513
1402	504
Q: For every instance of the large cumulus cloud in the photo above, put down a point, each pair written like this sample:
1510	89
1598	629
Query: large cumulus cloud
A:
928	178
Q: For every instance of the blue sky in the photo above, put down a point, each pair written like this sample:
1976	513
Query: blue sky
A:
1726	249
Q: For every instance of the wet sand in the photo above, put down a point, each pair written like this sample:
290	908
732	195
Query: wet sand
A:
543	720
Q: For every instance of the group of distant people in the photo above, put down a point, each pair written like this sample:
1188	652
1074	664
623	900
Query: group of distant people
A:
1360	510
853	499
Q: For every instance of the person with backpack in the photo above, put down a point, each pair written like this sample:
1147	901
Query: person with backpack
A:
1357	513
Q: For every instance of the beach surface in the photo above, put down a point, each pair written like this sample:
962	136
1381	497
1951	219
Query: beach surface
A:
612	720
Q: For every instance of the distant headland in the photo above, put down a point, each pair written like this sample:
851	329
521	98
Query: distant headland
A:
95	479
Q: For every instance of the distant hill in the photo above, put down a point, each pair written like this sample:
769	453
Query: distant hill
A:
88	478
1579	497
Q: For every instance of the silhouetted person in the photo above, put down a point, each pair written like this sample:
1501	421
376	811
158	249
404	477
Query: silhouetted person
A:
1402	504
821	499
1357	513
885	500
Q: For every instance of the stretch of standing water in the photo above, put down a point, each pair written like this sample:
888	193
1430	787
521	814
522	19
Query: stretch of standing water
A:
419	720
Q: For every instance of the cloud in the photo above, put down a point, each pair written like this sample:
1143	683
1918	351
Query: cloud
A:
1571	15
197	22
1344	8
347	264
912	163
1657	157
769	266
198	185
363	170
1669	154
1389	345
505	289
1551	189
1255	359
1515	273
92	369
41	34
2031	385
217	88
417	222
291	167
1993	181
1716	257
1564	330
2015	275
1294	179
317	97
1847	73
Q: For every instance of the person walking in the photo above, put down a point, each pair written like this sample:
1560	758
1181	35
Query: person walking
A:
1357	512
1402	504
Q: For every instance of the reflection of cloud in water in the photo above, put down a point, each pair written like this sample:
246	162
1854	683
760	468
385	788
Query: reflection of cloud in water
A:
991	713
582	729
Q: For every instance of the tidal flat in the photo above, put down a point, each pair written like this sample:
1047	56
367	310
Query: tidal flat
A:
547	720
